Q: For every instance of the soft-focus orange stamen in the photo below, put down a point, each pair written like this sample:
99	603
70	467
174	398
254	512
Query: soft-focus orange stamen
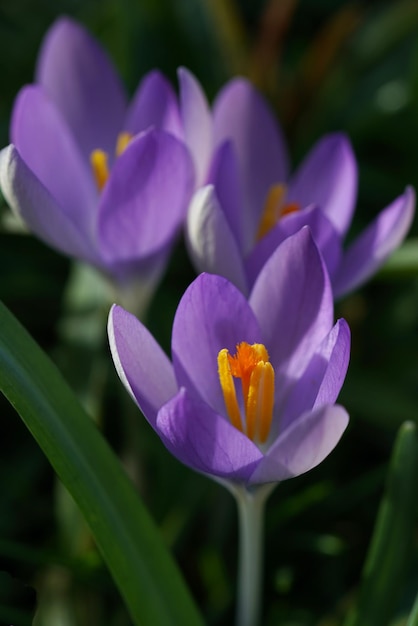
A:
99	159
251	364
99	164
122	142
274	209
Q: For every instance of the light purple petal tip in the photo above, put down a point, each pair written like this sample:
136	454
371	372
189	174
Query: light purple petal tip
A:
212	315
328	177
241	114
302	446
142	366
205	441
212	245
292	300
80	78
154	105
197	123
29	198
374	245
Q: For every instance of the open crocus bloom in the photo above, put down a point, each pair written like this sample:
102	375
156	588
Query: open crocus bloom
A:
248	203
249	395
85	171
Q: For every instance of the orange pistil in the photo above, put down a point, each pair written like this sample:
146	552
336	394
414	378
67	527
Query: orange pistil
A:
251	364
274	209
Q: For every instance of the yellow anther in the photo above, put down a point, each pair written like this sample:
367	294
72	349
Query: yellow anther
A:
228	389
251	364
122	142
274	209
99	164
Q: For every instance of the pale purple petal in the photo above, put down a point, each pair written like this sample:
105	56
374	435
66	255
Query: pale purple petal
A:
205	441
322	380
212	314
241	114
212	246
324	234
224	176
81	80
154	105
45	143
28	197
328	177
145	199
293	303
142	366
374	245
302	446
197	123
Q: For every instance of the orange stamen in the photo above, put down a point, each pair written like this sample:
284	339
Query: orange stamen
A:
274	209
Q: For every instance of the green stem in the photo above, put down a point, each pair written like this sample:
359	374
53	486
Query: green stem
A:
251	506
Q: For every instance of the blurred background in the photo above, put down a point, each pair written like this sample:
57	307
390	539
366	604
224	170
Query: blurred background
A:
324	65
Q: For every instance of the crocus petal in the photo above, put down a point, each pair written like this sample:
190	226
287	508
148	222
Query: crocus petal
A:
212	315
45	143
211	244
205	441
293	303
373	246
81	80
242	115
328	177
142	366
302	446
145	199
322	380
224	176
28	197
154	104
197	123
326	238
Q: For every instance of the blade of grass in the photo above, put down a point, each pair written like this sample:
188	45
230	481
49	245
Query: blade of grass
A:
142	568
391	544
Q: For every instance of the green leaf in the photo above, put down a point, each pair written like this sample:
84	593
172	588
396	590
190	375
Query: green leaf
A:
391	544
413	617
142	568
403	262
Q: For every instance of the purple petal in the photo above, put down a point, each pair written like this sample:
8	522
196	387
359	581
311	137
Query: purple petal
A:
328	177
292	301
324	234
373	246
322	380
46	145
212	245
81	80
142	366
154	105
241	114
145	199
303	445
212	315
28	197
224	176
205	441
197	123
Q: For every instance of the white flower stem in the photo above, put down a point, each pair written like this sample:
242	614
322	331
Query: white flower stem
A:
251	506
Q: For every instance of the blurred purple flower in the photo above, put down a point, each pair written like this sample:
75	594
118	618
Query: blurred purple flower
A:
250	202
280	345
85	171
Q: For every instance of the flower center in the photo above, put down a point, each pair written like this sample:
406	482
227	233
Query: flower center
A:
275	208
251	364
99	159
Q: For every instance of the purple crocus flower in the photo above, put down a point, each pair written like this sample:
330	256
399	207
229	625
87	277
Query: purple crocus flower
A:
249	203
249	395
85	171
